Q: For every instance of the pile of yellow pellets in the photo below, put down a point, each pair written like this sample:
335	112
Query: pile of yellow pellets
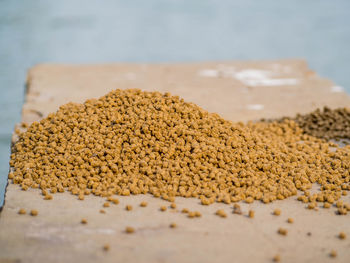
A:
131	142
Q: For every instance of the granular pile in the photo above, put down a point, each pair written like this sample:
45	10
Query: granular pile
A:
328	124
133	142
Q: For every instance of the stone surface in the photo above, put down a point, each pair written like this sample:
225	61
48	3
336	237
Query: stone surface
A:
239	91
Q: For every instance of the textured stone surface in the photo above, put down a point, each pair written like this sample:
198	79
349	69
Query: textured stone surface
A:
239	91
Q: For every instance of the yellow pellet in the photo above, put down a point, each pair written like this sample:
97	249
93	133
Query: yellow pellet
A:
197	214
128	207
276	258
163	208
173	225
342	235
22	211
184	210
84	221
129	230
290	220
282	231
143	204
115	201
326	205
34	212
221	213
277	212
106	247
333	254
251	214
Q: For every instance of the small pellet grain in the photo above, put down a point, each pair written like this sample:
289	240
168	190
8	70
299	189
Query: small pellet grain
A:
129	230
333	254
282	231
221	213
277	212
34	212
143	204
106	247
22	211
276	258
342	235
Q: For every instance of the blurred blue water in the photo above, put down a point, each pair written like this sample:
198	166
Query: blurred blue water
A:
83	31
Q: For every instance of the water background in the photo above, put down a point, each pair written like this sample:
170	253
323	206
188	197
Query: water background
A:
83	31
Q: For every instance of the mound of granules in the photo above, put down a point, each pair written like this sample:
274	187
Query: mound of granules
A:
328	124
133	142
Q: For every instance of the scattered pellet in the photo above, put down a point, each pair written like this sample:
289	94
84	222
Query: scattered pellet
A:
347	207
184	210
290	220
221	213
22	211
163	208
173	225
173	205
128	207
282	231
277	212
106	204
311	206
106	247
115	201
84	221
143	204
237	209
34	212
342	211
333	254
102	211
326	205
251	214
197	214
191	214
48	197
342	235
129	230
339	204
276	258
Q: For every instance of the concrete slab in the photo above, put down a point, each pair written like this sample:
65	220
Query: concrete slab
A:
239	91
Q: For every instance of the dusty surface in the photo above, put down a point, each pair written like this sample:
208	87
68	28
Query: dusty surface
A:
237	91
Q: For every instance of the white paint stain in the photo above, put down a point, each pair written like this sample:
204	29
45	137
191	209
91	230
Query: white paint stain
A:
254	77
211	73
255	107
337	89
250	77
